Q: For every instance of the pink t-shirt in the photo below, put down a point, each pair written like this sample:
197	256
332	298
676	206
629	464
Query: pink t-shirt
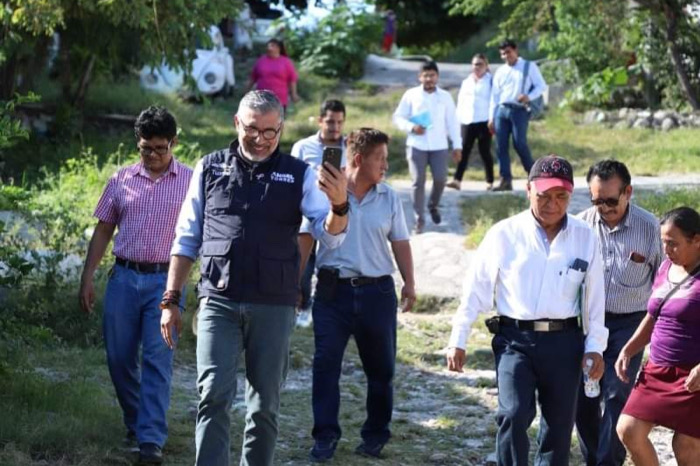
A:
275	74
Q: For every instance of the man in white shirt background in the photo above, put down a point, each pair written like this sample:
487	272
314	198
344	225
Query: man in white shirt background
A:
533	265
427	114
508	112
330	134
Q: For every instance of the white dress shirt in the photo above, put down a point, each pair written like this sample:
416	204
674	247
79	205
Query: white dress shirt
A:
508	84
531	281
474	99
441	107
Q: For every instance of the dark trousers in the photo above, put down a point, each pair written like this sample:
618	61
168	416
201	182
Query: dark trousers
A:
512	121
547	364
369	314
470	133
306	291
595	427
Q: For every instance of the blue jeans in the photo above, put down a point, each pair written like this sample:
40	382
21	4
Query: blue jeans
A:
512	120
225	329
132	320
546	363
369	314
598	438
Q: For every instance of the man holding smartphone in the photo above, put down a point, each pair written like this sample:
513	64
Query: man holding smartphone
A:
355	295
330	135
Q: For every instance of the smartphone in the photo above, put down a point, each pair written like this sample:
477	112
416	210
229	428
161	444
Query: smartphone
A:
333	155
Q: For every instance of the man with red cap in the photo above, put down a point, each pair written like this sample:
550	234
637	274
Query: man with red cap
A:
542	269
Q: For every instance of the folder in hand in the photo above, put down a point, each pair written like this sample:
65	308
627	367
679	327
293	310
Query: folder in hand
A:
422	119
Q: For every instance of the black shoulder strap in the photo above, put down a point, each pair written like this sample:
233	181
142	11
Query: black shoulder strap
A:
673	290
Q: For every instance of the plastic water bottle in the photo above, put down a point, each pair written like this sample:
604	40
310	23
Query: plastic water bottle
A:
590	386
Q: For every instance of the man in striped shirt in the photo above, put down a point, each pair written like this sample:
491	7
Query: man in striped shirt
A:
630	246
143	200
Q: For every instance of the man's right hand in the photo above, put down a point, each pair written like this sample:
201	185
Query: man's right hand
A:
86	295
418	129
170	324
491	126
456	358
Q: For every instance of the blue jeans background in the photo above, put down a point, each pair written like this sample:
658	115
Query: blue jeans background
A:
546	363
369	314
512	120
224	330
132	320
597	436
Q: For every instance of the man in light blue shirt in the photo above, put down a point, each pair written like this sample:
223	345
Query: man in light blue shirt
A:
509	109
355	295
330	134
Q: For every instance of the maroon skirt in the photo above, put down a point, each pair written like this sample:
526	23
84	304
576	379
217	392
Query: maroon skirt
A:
659	397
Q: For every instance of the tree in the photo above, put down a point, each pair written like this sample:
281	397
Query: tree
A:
599	34
682	41
102	37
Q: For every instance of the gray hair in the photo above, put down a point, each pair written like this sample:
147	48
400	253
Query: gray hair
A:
261	102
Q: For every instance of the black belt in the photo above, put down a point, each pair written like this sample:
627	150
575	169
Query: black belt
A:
144	267
617	316
514	105
541	325
361	281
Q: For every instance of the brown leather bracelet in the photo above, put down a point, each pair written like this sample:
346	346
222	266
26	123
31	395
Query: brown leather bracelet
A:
342	209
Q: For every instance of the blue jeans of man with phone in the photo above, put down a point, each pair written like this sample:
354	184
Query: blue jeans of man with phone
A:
368	313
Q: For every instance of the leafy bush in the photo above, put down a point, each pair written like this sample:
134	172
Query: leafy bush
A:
338	45
598	89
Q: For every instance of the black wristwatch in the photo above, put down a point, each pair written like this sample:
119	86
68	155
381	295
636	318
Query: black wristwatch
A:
342	209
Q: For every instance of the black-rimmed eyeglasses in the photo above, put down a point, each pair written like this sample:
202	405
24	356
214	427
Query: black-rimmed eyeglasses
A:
148	150
268	133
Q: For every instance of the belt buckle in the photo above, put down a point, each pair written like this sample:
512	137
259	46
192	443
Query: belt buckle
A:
355	281
540	326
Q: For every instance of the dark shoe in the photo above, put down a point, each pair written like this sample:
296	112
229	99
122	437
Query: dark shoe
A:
369	450
435	216
504	185
323	450
418	228
130	442
150	454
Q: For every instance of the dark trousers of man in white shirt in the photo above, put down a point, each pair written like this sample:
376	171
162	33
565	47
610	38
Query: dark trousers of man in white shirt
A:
546	364
599	442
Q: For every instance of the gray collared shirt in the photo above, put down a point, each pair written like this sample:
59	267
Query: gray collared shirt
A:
374	222
627	283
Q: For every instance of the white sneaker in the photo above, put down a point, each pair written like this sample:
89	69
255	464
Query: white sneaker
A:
304	318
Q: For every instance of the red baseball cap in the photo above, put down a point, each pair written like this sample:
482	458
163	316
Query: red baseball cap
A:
550	172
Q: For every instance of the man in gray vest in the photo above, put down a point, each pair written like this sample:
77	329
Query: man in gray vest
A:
630	244
243	209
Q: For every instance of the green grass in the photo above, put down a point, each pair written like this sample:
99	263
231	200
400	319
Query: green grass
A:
659	203
481	212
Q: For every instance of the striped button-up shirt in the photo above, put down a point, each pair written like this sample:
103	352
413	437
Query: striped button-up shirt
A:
145	211
627	282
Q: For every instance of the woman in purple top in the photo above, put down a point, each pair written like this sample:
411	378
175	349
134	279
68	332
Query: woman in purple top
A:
275	72
667	392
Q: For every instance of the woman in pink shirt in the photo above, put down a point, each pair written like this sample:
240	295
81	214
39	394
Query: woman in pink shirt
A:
275	72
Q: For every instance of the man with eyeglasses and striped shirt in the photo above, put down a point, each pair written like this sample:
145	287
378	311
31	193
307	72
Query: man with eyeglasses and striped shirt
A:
630	245
143	202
